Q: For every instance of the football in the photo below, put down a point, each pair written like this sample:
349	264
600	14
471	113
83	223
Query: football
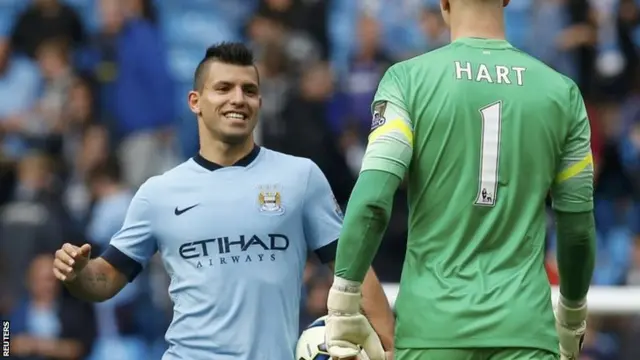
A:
311	343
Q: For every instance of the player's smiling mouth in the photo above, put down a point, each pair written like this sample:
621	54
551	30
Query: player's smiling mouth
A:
236	115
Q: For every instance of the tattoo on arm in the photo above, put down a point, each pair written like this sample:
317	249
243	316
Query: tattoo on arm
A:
94	283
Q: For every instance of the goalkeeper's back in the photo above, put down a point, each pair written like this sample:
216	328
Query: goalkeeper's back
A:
494	130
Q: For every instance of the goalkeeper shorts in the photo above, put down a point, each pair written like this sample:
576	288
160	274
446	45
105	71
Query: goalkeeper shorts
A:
475	354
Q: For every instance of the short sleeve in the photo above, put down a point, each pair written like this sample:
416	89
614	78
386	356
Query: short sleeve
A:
322	216
390	89
572	190
133	245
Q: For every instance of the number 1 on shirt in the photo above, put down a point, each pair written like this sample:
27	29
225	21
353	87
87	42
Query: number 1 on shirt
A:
489	154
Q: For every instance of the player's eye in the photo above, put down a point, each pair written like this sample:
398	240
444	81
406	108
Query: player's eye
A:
251	91
222	87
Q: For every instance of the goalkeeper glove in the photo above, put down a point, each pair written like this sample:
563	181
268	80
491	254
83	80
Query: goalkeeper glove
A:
571	326
347	331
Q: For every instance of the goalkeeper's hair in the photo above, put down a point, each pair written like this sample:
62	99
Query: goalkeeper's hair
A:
233	53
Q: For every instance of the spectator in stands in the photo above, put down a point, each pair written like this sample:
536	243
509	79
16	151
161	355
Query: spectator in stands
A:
19	85
48	120
78	115
315	299
556	39
29	224
118	334
86	143
305	21
629	142
41	125
434	29
616	57
270	26
141	9
579	39
43	20
308	133
400	23
366	66
47	326
129	60
276	84
94	150
112	198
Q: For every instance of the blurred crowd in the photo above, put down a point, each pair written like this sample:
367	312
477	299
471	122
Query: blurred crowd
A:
93	102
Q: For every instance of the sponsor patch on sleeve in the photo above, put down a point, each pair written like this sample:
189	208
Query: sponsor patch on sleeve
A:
378	115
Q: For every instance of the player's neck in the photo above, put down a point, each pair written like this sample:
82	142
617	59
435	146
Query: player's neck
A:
479	23
225	154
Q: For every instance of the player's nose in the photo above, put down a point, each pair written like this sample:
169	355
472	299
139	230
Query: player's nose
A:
237	96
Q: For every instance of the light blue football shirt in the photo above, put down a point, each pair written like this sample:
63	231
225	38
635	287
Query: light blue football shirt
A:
234	241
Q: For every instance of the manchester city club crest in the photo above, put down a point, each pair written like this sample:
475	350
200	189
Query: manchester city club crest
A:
270	200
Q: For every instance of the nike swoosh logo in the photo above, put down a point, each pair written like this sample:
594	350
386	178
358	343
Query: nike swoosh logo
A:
179	212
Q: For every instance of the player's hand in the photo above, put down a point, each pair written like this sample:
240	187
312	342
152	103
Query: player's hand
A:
347	331
70	260
571	326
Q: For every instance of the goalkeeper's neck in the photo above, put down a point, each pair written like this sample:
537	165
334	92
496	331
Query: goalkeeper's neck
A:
479	20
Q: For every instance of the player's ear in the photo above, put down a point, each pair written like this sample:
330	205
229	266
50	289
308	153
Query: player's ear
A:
444	6
194	102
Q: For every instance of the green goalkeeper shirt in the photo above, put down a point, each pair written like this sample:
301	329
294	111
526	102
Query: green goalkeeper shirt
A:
481	132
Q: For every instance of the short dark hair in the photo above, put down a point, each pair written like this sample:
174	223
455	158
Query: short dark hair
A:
233	53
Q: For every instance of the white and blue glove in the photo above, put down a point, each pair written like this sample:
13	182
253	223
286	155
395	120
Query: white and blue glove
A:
347	331
571	325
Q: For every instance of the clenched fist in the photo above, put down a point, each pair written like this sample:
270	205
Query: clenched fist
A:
70	260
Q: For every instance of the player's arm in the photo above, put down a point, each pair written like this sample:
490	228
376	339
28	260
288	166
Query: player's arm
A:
384	166
572	194
97	282
322	224
385	163
130	248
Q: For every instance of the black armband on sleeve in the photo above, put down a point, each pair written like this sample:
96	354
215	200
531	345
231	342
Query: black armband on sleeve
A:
327	253
123	263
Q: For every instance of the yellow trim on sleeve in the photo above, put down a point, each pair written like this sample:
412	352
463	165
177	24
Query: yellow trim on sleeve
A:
575	169
397	124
